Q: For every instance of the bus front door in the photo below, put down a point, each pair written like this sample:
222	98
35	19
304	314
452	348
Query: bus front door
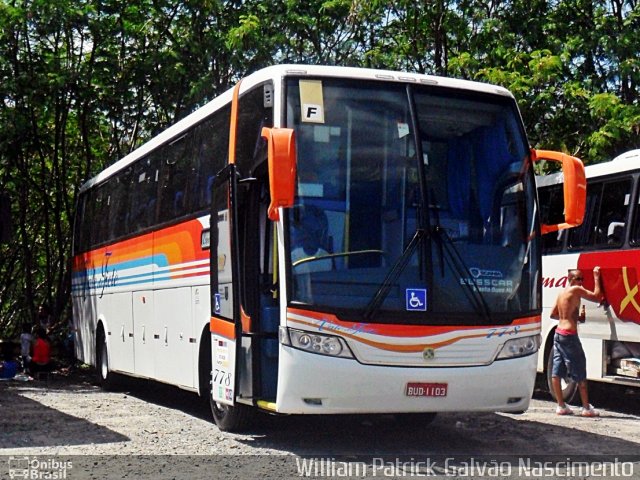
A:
226	322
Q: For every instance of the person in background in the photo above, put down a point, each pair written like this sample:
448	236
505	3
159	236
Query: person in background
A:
41	358
44	316
8	366
568	355
25	346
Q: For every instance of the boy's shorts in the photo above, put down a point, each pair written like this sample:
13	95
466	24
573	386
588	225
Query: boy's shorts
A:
568	358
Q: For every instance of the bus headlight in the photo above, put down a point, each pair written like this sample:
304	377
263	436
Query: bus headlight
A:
312	342
519	347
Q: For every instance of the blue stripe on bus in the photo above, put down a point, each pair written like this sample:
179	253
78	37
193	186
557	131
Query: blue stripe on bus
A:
97	275
159	260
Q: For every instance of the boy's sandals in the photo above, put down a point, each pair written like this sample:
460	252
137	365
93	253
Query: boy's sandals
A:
565	410
589	412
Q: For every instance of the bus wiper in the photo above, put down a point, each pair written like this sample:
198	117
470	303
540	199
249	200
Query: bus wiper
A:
393	275
456	263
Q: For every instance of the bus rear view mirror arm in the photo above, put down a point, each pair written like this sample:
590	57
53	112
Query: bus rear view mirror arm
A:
575	188
282	168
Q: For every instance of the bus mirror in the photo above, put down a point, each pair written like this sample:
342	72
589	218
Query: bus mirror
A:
575	188
282	168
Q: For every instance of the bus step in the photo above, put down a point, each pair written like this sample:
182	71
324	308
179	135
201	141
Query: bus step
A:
266	405
622	379
627	373
629	367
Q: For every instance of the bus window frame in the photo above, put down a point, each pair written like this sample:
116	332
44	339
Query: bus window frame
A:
602	182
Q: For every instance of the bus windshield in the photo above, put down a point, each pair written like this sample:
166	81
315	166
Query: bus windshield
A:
414	204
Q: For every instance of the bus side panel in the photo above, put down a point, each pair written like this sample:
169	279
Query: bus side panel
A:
201	311
84	307
173	350
181	265
119	319
145	329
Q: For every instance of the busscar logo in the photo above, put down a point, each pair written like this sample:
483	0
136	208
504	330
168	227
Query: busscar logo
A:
37	468
487	281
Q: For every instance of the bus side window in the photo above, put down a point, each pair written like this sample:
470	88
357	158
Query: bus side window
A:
605	215
251	147
634	237
81	241
551	212
175	168
142	199
119	188
584	235
99	206
613	211
210	153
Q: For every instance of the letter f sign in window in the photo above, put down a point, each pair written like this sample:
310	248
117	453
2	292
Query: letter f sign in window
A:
312	101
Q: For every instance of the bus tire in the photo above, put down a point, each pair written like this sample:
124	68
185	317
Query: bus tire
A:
204	366
230	418
569	387
106	378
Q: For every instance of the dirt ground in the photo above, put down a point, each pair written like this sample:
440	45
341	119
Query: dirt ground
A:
149	430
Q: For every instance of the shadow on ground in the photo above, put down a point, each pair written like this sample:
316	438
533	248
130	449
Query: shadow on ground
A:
25	422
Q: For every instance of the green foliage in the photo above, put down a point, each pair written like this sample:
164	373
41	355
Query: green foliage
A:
84	82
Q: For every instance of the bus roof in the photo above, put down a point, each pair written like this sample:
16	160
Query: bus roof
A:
278	72
625	162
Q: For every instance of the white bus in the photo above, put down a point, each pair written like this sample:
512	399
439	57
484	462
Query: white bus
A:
375	248
610	238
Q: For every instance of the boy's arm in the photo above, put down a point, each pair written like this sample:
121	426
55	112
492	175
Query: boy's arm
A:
597	294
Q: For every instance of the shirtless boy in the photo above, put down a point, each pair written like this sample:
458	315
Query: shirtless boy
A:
567	349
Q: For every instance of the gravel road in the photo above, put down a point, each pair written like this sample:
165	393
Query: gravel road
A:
149	430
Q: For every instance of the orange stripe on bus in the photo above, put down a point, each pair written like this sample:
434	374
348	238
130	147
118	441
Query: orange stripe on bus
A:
233	123
393	330
246	320
409	348
224	328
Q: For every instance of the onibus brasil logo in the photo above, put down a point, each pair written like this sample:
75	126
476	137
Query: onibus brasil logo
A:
37	468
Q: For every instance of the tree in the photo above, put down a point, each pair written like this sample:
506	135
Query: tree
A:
84	82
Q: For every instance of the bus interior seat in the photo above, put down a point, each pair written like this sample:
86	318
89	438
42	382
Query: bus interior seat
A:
615	232
148	213
208	192
178	203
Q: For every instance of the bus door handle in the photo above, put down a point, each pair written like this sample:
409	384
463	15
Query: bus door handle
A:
144	334
166	336
122	333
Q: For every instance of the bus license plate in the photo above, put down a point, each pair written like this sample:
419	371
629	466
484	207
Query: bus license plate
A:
415	389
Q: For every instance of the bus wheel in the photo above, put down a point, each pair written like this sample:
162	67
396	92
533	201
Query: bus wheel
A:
569	387
230	418
106	378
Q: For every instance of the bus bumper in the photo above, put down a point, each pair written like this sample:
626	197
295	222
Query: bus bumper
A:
316	384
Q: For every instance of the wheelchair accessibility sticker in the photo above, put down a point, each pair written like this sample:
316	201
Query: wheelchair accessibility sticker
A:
416	299
216	304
